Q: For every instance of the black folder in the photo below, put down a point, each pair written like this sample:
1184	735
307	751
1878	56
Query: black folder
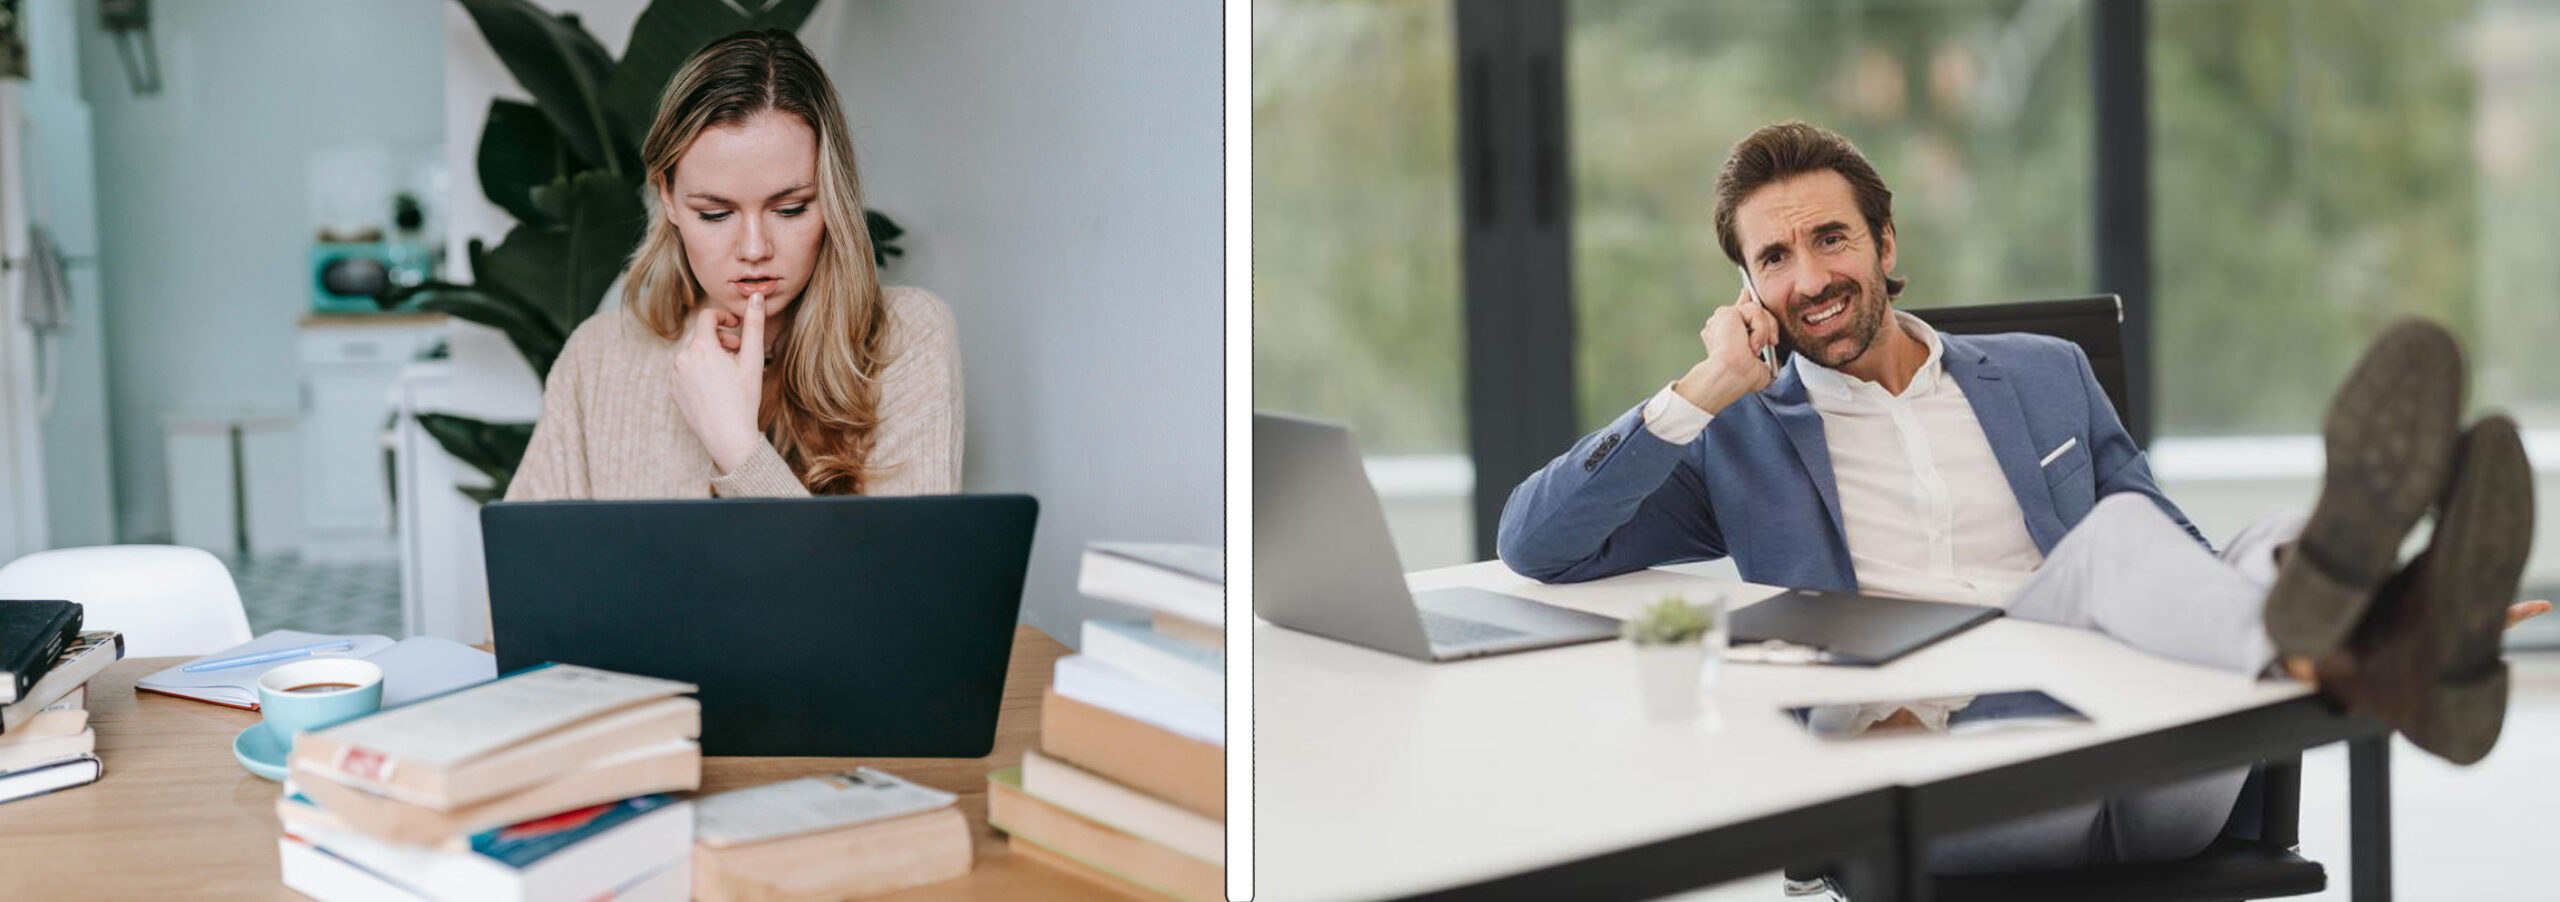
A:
1852	629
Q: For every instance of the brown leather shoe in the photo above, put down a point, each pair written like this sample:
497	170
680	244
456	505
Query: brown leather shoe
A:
2426	659
2390	434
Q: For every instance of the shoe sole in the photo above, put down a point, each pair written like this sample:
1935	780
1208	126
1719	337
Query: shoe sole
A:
2483	535
2390	434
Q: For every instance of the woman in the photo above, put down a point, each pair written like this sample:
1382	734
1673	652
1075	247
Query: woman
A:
755	353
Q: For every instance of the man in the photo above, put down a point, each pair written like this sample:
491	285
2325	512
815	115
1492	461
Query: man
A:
1890	459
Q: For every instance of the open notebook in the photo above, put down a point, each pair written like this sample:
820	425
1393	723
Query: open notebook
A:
412	668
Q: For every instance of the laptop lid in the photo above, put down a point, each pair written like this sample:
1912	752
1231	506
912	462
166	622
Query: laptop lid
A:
835	626
1853	629
1323	561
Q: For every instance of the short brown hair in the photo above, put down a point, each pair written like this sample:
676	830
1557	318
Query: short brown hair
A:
1790	149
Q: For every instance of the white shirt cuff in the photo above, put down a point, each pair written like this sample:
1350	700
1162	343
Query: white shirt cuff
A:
1673	419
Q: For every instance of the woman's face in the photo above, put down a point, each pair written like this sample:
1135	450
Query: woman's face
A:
744	199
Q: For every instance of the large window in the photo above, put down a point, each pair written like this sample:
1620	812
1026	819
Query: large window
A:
2322	169
1355	247
1977	112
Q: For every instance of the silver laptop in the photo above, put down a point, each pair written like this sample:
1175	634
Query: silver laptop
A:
1323	562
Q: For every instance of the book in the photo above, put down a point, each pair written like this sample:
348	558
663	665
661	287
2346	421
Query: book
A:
1136	754
672	767
60	774
1119	807
1099	846
1136	646
846	863
412	668
445	732
314	872
1190	630
32	637
1189	581
65	687
42	741
810	804
514	768
1089	680
578	854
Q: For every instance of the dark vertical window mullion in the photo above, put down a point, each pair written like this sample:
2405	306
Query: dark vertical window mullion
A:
2119	36
1517	245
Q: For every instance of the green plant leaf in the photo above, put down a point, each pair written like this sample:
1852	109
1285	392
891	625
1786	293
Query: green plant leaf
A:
565	70
884	236
494	449
521	151
605	220
668	33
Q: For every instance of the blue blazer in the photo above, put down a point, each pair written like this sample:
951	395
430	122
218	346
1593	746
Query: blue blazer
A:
1757	484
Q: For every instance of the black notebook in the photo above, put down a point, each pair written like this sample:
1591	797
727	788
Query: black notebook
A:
1852	629
32	635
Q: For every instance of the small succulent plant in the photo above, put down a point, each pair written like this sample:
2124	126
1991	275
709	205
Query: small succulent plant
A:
1670	621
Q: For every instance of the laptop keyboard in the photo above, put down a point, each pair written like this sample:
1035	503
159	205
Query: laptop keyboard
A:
1446	630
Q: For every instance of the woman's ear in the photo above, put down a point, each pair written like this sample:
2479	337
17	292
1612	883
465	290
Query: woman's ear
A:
666	197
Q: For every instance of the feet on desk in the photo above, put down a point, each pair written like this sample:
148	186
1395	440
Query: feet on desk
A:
2425	658
2390	435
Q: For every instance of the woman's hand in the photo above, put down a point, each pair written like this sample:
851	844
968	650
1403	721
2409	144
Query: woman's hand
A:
2526	610
717	382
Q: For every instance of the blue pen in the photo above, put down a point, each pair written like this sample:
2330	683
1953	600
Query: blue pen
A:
265	656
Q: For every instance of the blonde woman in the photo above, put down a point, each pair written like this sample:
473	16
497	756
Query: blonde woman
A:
755	353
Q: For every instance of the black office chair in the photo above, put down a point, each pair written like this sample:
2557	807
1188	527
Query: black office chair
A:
2234	867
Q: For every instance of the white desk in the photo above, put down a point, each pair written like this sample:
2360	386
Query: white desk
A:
1377	776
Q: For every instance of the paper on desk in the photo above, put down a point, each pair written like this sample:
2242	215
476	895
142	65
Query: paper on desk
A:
412	668
809	804
420	666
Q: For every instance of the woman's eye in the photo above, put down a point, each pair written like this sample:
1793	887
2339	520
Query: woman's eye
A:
713	217
794	211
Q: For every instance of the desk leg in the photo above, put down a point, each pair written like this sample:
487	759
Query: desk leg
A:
2369	817
1887	870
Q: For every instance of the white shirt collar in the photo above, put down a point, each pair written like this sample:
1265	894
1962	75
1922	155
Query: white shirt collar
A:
1838	386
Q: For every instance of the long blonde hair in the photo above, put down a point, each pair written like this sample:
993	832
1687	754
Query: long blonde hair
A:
821	402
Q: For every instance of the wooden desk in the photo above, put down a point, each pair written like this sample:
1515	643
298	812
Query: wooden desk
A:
177	818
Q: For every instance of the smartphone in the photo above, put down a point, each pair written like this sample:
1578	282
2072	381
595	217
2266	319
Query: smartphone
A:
1768	352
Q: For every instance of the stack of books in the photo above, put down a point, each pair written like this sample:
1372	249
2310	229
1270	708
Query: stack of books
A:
46	661
1129	782
842	836
542	784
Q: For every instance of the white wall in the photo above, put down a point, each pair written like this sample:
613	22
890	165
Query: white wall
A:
201	197
1058	168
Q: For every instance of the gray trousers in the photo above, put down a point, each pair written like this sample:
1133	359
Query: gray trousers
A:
2130	572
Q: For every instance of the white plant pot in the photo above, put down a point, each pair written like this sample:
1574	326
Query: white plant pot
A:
1669	676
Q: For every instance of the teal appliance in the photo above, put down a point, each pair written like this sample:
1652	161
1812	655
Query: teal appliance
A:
353	277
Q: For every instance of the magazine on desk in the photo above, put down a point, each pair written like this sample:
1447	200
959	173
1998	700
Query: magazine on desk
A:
412	668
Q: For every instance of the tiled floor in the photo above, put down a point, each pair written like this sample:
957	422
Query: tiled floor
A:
285	592
2457	833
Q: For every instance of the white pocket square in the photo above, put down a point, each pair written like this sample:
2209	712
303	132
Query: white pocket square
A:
2057	452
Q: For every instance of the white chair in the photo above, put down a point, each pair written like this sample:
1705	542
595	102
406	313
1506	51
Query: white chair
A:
165	599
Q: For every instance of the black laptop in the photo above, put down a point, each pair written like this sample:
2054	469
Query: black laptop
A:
840	626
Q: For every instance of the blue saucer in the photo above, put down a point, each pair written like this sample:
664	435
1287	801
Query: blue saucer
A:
259	751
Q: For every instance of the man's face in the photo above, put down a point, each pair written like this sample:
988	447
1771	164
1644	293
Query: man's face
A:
1816	264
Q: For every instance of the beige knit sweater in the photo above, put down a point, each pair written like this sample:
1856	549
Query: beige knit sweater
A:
610	427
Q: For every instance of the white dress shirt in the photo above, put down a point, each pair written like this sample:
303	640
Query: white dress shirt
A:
1928	512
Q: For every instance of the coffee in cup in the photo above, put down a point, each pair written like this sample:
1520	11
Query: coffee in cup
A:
317	692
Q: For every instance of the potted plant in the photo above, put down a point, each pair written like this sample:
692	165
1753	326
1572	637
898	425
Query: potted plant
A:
1672	652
